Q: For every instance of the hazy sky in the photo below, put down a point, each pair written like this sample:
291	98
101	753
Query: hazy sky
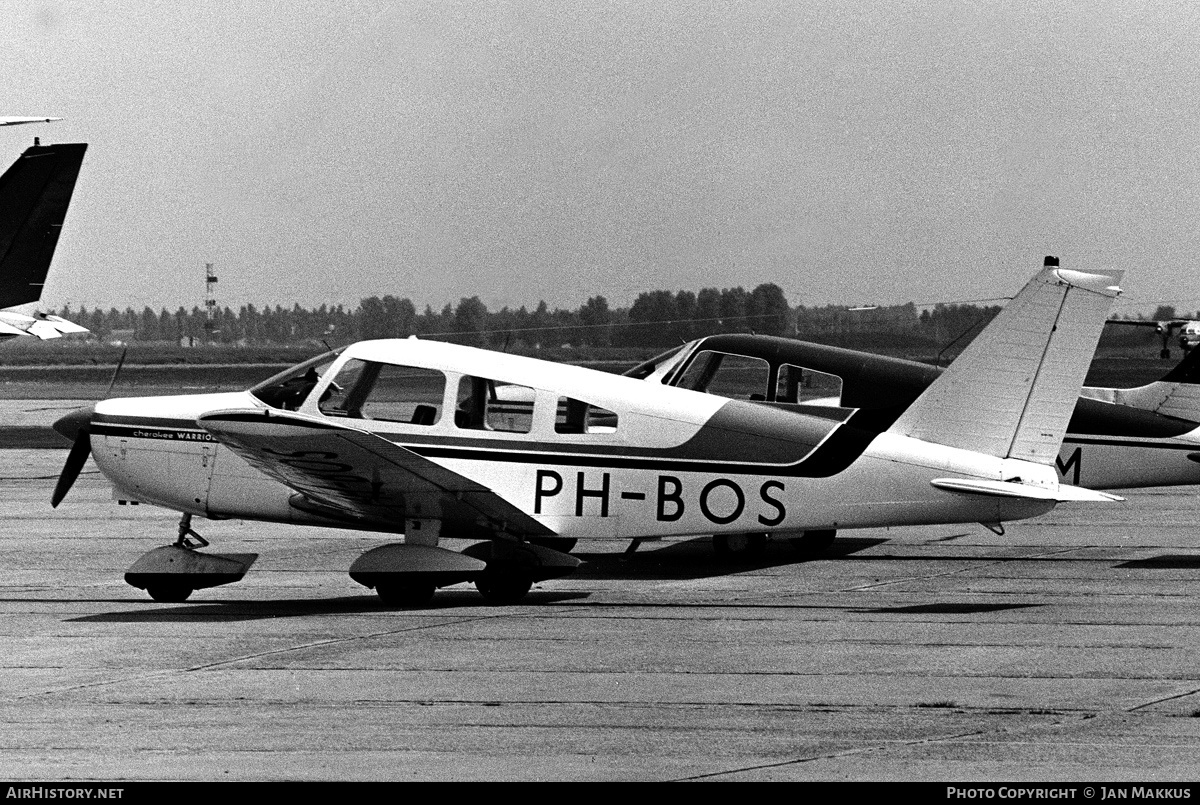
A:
541	149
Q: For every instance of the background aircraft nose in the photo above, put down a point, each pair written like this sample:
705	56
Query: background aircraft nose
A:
77	420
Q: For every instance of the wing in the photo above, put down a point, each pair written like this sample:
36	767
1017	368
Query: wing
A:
346	473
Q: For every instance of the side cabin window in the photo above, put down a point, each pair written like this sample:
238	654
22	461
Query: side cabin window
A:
486	404
385	391
799	385
576	416
738	377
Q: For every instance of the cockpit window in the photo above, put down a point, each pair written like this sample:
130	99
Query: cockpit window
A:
738	377
386	392
288	389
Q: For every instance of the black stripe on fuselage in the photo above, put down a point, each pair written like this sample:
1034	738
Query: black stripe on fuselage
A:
726	444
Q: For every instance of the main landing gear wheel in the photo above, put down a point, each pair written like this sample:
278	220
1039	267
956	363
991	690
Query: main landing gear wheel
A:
405	594
169	593
739	546
509	573
503	587
814	543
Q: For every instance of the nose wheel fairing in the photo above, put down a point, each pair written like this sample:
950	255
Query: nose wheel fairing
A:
173	572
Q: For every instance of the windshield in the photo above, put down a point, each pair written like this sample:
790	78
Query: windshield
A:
288	389
663	361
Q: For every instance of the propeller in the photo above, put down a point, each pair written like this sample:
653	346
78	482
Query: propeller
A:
76	426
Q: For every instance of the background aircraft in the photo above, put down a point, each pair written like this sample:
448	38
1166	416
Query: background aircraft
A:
441	441
1189	332
19	121
35	193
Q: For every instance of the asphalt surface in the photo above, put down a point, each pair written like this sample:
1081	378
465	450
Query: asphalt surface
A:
1066	649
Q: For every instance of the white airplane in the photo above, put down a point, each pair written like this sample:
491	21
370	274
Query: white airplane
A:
35	193
439	441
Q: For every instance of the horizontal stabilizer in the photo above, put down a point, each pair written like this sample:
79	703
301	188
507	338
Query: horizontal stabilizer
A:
1011	489
1012	390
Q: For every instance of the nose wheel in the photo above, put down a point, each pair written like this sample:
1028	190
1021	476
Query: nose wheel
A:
171	573
169	593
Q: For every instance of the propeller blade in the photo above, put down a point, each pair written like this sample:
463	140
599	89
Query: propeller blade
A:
116	372
70	471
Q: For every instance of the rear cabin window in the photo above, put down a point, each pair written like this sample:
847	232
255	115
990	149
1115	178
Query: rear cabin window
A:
738	377
799	385
576	416
486	404
385	391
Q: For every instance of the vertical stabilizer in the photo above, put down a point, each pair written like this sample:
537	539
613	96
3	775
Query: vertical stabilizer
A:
1012	390
34	195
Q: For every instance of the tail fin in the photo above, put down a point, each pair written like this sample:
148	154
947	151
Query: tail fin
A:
1012	390
1176	395
34	194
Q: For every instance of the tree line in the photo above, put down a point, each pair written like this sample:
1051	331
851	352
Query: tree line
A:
655	319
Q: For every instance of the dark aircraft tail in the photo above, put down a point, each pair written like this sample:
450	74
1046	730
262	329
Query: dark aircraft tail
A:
34	194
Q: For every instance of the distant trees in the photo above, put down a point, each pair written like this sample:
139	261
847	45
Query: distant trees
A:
655	320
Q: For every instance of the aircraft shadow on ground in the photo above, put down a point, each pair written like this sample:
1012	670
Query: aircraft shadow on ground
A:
696	559
947	608
200	611
1167	561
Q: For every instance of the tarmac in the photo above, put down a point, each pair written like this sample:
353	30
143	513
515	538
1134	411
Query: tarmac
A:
1066	649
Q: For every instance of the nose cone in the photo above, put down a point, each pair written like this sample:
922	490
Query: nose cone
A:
71	424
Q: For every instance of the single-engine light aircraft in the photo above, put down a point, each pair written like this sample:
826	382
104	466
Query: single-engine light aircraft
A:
34	195
435	441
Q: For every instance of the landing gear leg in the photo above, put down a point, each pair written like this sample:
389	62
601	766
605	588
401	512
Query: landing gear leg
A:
187	534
